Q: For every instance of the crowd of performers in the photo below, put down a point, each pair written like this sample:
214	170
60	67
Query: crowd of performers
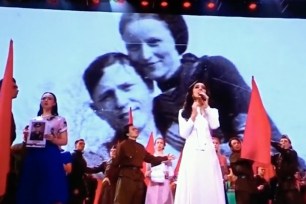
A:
50	175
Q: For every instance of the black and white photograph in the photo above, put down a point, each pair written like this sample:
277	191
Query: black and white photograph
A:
102	64
37	131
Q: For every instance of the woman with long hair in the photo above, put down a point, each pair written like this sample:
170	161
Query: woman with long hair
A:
199	178
43	178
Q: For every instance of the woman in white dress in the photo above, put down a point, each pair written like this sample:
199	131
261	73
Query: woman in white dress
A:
199	179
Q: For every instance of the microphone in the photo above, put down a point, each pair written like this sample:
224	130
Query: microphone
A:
203	97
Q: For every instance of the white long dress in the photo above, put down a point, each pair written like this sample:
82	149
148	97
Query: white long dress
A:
199	179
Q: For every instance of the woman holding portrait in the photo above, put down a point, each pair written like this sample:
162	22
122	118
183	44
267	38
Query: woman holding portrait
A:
43	178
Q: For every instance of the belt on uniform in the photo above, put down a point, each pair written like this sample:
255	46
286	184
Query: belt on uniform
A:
130	167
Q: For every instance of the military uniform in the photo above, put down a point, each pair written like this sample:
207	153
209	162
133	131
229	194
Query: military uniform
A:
129	158
245	186
286	164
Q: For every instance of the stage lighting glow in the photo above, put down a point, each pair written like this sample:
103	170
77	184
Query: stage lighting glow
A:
95	1
164	4
144	3
211	5
186	4
252	6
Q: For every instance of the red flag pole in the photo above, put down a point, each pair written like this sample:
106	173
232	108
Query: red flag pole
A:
6	119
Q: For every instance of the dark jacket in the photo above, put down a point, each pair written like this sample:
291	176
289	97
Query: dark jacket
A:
286	165
129	158
79	170
242	168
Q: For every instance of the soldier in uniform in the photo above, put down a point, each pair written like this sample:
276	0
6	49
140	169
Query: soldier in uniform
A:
130	155
37	133
245	186
286	165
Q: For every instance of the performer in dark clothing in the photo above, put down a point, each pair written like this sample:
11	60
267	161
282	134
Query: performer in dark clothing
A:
129	158
109	185
13	130
263	187
78	189
245	186
286	165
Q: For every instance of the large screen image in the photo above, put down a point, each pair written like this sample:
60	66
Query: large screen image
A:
102	65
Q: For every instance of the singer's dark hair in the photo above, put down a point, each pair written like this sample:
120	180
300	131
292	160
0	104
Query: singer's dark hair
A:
187	107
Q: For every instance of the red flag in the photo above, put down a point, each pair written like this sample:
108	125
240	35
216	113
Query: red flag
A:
99	190
150	145
5	119
131	117
150	149
177	168
257	134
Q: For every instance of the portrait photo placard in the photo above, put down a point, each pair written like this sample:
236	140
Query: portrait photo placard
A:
37	130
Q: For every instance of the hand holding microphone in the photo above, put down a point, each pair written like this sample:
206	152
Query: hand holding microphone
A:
204	98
